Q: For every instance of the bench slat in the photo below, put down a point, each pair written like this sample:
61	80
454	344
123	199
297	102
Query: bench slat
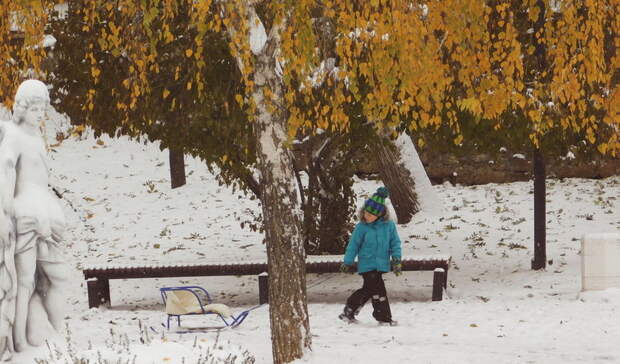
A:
98	276
216	269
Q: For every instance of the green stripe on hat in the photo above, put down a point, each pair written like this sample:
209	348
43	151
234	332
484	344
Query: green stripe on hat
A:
373	211
378	199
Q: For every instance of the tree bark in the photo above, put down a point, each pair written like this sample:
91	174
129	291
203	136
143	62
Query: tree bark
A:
335	196
540	212
398	180
288	310
177	167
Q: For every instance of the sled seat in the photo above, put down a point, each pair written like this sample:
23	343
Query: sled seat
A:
195	300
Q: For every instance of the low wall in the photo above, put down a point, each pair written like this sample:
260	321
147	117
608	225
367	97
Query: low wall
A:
510	167
504	167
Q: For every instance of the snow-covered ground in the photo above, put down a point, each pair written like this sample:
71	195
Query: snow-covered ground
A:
121	210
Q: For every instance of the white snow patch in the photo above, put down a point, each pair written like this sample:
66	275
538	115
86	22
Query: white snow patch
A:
168	351
326	67
258	36
609	295
555	5
424	8
62	9
279	66
49	41
356	33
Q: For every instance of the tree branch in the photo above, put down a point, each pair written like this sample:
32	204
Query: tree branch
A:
253	185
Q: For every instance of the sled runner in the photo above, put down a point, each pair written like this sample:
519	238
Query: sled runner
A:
195	300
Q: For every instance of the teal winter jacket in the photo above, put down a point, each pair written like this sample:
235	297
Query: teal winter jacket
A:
374	244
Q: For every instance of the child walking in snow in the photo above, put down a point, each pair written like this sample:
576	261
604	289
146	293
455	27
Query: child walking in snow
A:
374	241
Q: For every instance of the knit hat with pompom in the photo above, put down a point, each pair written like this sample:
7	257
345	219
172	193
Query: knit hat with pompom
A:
376	204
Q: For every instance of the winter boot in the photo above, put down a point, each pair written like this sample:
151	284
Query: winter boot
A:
348	315
381	309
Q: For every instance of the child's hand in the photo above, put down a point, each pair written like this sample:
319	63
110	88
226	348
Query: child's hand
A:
397	267
346	268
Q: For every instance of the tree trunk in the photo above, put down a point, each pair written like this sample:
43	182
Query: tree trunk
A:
288	310
427	198
336	199
177	167
334	225
398	180
330	199
540	235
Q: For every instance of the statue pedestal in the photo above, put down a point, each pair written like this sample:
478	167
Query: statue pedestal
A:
600	261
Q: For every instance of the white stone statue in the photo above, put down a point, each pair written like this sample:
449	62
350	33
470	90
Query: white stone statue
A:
32	267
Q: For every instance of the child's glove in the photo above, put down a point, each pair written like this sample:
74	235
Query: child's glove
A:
397	267
346	268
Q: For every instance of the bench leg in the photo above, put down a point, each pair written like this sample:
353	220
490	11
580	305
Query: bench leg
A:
105	289
98	292
263	288
439	279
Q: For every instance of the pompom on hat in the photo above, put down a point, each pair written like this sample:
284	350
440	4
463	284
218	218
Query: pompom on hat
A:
376	203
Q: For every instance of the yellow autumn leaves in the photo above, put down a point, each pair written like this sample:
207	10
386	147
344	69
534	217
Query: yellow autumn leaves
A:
418	64
21	45
411	64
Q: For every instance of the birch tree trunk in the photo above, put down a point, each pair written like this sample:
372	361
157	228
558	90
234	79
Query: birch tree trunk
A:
403	173
288	310
398	180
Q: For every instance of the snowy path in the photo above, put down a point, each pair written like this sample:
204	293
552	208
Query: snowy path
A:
499	312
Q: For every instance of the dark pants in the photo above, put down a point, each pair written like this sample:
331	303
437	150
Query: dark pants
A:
373	289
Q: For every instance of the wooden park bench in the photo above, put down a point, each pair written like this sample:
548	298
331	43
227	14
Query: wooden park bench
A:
98	277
